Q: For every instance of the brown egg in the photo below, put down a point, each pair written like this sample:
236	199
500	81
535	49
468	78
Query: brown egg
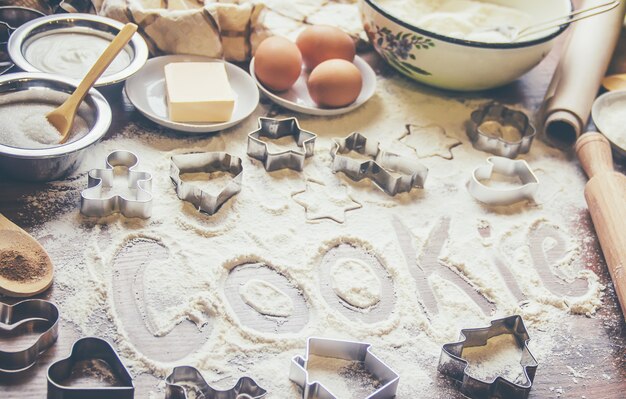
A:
277	63
320	43
335	83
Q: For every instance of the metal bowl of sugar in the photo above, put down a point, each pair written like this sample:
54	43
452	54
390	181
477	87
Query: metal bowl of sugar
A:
69	44
609	116
29	148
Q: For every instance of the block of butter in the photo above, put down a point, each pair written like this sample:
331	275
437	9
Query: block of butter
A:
198	92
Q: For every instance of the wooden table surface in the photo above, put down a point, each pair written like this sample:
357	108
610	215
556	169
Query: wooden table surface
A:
589	363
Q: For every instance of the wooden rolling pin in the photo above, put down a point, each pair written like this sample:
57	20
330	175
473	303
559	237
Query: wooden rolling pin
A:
606	198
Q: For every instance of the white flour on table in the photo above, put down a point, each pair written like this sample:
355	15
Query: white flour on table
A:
444	254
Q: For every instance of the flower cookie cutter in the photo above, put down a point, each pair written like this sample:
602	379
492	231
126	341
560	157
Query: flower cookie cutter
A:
453	365
31	315
347	350
275	129
503	195
500	117
176	386
90	348
392	173
98	199
206	162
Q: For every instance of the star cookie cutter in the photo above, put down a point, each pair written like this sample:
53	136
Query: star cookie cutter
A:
346	350
483	140
31	315
453	365
392	173
503	195
275	129
245	388
206	162
136	202
90	348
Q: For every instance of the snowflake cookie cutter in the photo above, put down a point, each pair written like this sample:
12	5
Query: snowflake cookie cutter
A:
206	162
503	195
84	349
494	112
275	129
453	365
390	172
137	202
245	388
346	350
31	315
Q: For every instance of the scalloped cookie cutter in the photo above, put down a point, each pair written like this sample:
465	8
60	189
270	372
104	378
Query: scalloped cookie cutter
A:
136	202
31	315
485	140
245	388
390	172
206	162
503	195
346	350
275	129
453	365
90	348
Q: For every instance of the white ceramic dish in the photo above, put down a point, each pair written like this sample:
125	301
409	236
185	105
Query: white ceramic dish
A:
458	64
598	116
297	98
146	91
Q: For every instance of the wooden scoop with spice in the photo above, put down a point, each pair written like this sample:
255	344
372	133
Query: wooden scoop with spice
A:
25	267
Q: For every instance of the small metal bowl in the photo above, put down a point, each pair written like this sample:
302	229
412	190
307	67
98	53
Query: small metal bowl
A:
45	164
77	23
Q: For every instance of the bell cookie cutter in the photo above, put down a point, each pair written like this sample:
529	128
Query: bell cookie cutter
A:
484	140
206	162
275	129
136	202
503	195
392	173
84	349
31	315
453	365
245	388
346	350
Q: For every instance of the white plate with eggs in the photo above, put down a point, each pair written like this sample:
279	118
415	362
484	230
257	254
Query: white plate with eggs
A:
146	91
297	97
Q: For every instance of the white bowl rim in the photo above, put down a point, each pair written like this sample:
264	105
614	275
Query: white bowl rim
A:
18	37
469	43
96	132
596	110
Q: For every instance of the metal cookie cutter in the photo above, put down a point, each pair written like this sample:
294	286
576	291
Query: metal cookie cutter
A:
390	172
175	386
503	195
453	365
31	315
206	162
275	129
346	350
99	200
485	139
84	349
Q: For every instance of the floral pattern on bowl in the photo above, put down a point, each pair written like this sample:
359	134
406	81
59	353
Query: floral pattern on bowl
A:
399	47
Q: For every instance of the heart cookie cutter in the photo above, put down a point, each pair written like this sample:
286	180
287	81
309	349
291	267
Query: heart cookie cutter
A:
31	315
503	195
90	348
346	350
206	162
453	365
275	129
96	200
484	140
392	173
176	382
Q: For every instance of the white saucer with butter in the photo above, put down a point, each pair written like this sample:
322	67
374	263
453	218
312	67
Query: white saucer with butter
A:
146	91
